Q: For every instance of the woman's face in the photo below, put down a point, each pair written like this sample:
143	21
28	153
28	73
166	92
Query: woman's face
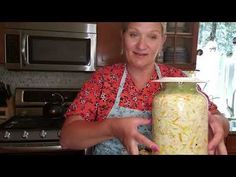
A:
142	43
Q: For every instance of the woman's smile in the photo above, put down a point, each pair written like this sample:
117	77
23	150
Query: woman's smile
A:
140	54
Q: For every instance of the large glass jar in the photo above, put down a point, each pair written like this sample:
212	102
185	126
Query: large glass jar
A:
180	117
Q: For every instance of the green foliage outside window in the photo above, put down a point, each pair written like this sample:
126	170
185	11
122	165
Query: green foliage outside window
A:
221	32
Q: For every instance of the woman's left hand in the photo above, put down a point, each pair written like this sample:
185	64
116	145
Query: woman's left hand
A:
218	130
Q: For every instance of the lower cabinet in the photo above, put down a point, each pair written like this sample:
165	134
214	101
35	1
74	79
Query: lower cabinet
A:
231	144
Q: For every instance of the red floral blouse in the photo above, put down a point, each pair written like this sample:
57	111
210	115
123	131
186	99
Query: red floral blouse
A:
97	96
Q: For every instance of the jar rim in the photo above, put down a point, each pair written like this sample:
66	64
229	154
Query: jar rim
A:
179	79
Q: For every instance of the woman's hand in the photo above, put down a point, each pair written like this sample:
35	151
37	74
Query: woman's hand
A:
218	130
126	130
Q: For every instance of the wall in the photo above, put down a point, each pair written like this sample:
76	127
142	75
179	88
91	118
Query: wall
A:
43	79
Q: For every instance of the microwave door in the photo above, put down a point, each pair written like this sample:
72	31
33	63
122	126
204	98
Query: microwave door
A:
56	52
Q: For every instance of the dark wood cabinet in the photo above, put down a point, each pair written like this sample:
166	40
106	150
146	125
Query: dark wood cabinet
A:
230	142
109	43
179	49
1	44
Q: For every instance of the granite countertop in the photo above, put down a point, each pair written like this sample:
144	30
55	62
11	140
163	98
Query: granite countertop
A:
232	132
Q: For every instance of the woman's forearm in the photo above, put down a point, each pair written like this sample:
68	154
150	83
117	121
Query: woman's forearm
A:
81	134
224	121
226	125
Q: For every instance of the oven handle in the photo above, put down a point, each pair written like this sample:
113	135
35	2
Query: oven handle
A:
16	149
23	49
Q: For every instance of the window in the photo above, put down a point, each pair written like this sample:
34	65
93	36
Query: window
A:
217	64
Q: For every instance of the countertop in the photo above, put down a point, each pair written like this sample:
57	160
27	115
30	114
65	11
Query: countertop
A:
232	132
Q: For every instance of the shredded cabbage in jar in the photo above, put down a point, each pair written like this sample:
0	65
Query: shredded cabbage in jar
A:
180	123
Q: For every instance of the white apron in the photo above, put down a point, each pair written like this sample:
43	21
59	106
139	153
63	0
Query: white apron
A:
114	146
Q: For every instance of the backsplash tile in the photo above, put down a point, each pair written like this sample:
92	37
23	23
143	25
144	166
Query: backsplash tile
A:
43	79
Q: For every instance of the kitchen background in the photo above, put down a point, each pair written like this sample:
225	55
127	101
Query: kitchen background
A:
214	39
193	39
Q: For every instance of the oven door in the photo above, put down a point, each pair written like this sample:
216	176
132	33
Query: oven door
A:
10	147
37	148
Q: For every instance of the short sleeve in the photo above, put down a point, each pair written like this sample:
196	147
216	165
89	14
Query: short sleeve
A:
170	71
85	104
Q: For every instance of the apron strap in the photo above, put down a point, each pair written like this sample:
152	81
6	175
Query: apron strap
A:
122	83
158	71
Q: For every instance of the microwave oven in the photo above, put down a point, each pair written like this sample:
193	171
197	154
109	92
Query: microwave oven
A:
50	46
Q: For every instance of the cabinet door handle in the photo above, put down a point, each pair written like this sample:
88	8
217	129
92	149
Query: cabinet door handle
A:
23	49
199	52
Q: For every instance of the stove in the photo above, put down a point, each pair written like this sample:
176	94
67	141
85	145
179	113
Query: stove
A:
30	129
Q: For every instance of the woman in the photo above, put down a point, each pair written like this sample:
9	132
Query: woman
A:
112	113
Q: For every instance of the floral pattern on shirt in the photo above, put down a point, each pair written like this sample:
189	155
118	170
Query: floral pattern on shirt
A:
97	96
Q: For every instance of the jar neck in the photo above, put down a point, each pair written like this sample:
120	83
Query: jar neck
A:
180	87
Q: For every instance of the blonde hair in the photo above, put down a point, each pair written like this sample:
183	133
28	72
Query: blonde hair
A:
125	26
163	24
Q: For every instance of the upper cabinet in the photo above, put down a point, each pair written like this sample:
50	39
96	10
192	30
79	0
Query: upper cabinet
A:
179	50
1	44
109	43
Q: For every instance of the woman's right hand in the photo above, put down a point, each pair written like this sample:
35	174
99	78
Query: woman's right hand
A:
126	130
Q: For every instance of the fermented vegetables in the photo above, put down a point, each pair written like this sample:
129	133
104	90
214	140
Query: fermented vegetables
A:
180	118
